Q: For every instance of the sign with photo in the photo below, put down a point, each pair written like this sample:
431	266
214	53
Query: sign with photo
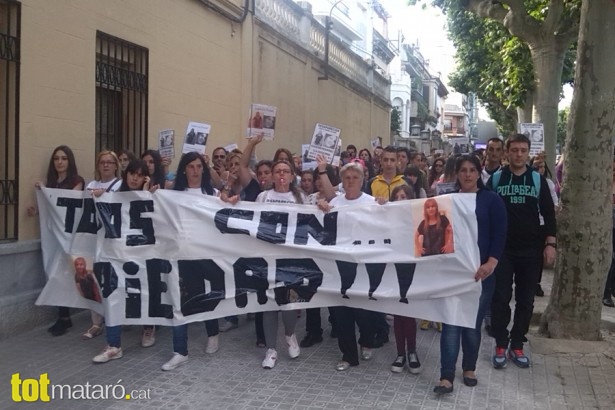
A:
166	143
536	133
262	120
324	141
196	137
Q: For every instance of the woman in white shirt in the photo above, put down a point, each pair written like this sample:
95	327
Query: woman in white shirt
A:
107	174
284	192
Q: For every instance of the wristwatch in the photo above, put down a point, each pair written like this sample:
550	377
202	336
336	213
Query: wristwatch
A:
553	244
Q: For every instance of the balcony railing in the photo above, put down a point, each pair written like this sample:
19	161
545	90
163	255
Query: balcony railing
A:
290	20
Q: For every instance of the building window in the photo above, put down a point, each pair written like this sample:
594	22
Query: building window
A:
10	26
121	94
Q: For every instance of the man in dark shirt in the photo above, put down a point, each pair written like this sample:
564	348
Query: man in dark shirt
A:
526	195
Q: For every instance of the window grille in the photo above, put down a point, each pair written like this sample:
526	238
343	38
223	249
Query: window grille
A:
10	20
121	94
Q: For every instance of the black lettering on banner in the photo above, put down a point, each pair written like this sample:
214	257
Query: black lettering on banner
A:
70	204
133	291
138	222
223	215
250	276
374	273
270	224
301	279
88	222
192	277
308	224
111	217
156	287
348	274
405	275
106	277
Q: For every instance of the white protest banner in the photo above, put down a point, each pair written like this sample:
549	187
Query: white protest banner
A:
535	132
262	120
166	143
324	141
196	137
173	257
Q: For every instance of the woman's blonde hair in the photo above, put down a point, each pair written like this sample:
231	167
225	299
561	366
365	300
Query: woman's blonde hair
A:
115	158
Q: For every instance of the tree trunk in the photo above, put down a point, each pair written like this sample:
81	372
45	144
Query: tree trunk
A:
548	60
524	114
585	221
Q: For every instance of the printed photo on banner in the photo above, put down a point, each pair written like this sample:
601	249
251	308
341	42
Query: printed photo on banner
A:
535	132
324	141
434	234
375	142
306	163
166	143
87	285
196	137
262	120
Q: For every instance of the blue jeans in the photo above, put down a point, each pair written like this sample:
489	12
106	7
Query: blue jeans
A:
180	335
470	338
114	336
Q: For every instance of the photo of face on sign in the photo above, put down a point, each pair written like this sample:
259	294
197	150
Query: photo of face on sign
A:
434	234
86	283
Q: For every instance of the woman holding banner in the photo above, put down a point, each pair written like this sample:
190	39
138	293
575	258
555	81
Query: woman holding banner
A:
286	192
491	221
61	174
192	176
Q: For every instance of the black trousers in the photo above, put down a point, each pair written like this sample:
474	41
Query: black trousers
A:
345	319
523	268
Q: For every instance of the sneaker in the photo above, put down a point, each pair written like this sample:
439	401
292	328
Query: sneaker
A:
212	345
424	325
518	358
175	361
414	366
227	326
149	336
110	353
310	340
60	327
539	291
270	358
293	346
366	353
499	358
398	364
342	366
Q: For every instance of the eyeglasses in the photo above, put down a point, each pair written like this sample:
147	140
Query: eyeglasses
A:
219	156
282	171
107	162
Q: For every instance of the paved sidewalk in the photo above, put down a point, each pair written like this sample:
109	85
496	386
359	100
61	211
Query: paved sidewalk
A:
564	375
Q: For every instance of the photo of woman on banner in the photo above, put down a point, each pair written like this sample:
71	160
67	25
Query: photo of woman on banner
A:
329	141
256	121
434	236
87	286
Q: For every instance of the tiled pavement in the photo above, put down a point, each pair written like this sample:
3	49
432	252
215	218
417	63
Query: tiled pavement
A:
234	379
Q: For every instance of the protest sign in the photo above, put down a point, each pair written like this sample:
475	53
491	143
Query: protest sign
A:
262	120
535	132
196	137
306	163
173	257
166	143
324	141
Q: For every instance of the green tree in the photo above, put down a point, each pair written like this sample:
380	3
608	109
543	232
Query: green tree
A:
585	219
395	121
562	121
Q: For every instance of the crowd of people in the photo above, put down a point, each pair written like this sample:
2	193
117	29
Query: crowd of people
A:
516	203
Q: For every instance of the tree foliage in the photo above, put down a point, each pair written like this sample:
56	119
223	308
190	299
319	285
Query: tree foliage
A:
395	121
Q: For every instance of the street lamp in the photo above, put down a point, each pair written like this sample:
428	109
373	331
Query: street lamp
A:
435	134
415	130
328	26
425	134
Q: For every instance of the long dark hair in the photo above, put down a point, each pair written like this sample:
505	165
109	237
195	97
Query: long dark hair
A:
473	159
418	185
158	176
433	176
71	171
181	181
290	158
135	166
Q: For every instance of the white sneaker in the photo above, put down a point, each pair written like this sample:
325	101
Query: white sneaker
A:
110	353
175	361
270	358
293	346
149	337
212	344
366	353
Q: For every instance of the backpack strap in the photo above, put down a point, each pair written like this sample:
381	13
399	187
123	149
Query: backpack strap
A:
111	184
495	179
536	178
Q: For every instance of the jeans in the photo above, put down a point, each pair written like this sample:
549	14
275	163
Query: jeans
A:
470	338
114	336
180	335
523	268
